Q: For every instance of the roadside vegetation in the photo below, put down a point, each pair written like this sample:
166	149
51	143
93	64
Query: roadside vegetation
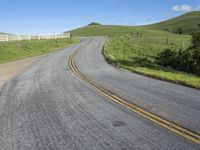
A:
106	30
162	50
138	52
187	60
185	24
15	50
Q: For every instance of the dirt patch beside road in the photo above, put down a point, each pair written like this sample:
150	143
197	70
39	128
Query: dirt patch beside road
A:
9	70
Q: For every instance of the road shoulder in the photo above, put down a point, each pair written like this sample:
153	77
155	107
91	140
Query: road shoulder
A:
11	69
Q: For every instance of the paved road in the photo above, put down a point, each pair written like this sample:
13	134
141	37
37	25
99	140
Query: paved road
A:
47	107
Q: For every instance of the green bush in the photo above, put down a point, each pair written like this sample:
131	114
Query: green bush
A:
197	60
178	31
185	60
167	57
196	40
94	23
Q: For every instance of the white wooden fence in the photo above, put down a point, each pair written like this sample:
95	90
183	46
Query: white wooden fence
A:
38	36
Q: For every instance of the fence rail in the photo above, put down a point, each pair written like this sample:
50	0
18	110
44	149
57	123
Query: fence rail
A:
38	36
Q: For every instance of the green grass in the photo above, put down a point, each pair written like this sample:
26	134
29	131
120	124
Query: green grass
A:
137	55
106	30
3	33
189	22
10	51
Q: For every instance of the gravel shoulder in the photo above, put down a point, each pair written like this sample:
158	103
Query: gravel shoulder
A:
11	69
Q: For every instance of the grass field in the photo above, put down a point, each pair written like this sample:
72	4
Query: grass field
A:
137	55
189	23
10	51
107	30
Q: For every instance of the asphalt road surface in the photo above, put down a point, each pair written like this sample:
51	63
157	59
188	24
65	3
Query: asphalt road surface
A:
46	107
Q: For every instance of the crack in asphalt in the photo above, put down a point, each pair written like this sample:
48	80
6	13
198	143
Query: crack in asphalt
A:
2	87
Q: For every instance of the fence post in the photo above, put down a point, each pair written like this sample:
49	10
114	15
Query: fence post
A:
38	35
29	37
19	39
55	35
6	37
47	36
62	35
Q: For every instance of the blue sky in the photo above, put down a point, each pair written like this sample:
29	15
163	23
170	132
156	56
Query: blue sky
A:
32	16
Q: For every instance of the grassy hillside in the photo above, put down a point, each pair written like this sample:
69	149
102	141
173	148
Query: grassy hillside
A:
101	30
10	51
188	22
138	55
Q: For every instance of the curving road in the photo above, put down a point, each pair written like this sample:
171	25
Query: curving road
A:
46	107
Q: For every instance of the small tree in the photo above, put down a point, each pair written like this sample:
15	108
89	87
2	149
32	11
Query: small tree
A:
196	56
185	61
166	58
178	31
166	29
94	23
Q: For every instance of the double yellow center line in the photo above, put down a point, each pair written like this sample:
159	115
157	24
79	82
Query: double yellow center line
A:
175	128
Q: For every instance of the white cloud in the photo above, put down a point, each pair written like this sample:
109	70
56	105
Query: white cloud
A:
185	8
198	8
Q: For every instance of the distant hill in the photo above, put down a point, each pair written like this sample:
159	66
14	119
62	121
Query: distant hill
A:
102	30
5	33
188	23
94	24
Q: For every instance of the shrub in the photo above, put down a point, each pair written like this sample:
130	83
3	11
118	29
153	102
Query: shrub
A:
185	60
196	57
166	58
178	31
94	23
166	29
196	40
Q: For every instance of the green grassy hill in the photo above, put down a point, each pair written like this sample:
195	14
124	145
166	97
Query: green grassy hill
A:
188	22
14	50
2	33
101	30
137	53
96	30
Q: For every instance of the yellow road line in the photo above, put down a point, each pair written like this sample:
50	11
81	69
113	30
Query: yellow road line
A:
175	128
